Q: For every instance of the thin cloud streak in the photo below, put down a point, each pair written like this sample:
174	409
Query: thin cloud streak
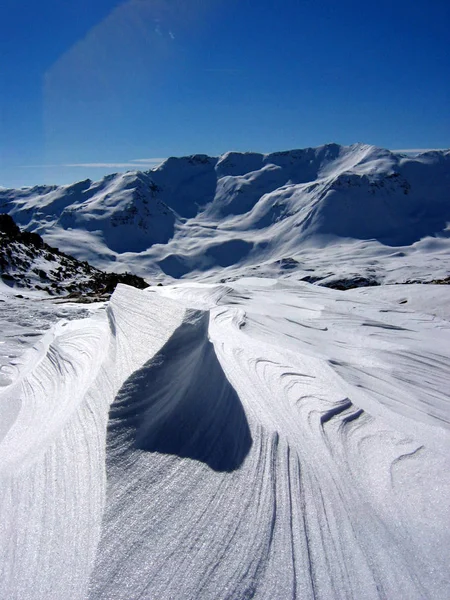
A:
148	160
138	163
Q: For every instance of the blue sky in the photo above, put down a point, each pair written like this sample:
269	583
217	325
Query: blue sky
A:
90	87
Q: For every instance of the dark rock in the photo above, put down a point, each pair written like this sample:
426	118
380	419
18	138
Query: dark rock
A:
348	284
311	278
19	248
8	226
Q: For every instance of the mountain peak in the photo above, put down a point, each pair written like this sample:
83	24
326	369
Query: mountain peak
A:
247	212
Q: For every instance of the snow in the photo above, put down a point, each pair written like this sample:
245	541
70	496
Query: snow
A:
428	299
25	316
241	433
208	218
261	438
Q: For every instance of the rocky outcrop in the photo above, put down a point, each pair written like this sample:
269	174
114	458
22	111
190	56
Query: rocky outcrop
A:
26	261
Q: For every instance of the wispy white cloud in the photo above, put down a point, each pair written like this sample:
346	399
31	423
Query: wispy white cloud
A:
138	163
99	165
147	160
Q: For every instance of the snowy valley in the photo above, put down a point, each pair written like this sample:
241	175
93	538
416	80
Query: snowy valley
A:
319	214
244	430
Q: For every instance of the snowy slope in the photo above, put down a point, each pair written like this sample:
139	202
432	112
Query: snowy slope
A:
28	263
96	219
298	211
264	440
24	319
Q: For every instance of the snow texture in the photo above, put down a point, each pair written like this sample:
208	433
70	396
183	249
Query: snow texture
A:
260	439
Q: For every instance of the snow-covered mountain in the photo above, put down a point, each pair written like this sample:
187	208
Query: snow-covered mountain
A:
27	262
299	212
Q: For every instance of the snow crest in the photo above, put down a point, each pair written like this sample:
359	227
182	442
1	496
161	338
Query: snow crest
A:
256	440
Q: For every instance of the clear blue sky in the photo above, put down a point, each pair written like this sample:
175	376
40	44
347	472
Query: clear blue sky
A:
110	82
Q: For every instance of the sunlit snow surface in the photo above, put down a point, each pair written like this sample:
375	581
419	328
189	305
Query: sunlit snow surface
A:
253	440
328	213
24	317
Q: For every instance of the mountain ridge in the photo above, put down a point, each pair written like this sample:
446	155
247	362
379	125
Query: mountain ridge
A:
27	262
241	213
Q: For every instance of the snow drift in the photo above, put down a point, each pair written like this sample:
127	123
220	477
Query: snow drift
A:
255	440
200	418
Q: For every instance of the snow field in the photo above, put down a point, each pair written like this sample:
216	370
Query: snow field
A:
259	439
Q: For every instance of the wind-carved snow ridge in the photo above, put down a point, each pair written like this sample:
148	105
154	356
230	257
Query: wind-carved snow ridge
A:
336	496
170	407
52	486
256	440
52	445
